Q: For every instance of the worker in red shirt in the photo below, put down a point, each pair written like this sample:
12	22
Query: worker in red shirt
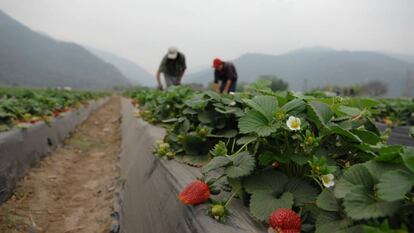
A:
225	76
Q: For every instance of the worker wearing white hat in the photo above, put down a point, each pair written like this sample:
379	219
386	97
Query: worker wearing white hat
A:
173	67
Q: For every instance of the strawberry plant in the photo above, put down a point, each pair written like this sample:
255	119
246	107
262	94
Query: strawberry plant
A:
322	158
30	105
395	112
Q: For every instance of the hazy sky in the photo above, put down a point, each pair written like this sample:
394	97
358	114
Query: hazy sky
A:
141	30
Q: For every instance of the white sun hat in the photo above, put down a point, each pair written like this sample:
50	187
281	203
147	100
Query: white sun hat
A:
172	53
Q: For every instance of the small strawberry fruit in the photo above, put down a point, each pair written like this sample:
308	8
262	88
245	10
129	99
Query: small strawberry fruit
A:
134	102
56	113
195	193
285	220
34	120
218	211
170	155
276	165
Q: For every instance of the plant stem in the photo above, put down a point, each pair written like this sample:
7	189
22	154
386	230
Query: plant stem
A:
240	150
218	178
234	143
231	197
317	181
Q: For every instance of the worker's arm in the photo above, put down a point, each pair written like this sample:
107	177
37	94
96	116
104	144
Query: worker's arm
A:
159	80
180	77
215	85
184	67
161	69
227	86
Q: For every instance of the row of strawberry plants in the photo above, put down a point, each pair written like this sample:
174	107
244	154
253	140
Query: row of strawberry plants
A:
390	111
395	112
299	163
20	106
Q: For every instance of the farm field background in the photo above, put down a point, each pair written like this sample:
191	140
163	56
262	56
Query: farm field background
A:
228	116
332	159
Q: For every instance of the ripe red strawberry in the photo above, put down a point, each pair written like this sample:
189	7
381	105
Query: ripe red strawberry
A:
276	165
285	221
134	102
195	193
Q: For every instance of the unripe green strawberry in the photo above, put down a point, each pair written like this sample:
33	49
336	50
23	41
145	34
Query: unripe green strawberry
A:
218	211
180	137
170	155
202	132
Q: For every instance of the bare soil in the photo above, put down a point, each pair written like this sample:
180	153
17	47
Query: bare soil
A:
72	189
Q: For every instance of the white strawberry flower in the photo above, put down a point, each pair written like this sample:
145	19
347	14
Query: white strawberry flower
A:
328	180
293	123
232	103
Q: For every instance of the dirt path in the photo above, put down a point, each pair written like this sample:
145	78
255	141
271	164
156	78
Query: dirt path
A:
72	190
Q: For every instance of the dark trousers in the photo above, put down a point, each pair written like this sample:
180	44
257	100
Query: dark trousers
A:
232	86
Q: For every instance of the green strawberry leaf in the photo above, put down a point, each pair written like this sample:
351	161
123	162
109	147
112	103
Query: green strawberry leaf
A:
242	165
377	169
206	117
262	204
355	176
230	133
345	133
266	105
255	122
327	201
302	191
366	136
411	132
349	111
319	113
216	163
408	158
361	204
294	106
220	149
393	185
328	222
268	180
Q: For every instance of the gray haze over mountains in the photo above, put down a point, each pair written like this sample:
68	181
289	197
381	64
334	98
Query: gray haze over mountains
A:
321	67
28	58
142	30
136	74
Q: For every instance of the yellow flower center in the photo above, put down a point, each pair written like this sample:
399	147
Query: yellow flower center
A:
326	179
295	124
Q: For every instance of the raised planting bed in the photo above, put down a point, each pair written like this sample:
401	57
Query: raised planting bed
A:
23	148
299	163
149	202
399	134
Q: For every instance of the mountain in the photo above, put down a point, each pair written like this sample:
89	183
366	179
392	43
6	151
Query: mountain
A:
32	59
129	69
405	57
320	67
